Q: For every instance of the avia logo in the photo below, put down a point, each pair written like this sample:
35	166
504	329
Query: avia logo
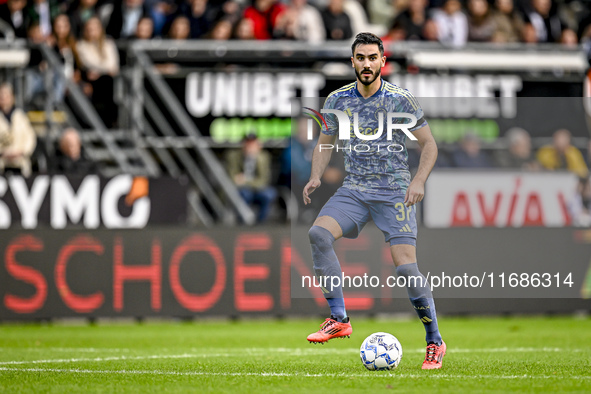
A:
345	124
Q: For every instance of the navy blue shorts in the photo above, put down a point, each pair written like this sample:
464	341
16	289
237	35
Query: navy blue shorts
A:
353	209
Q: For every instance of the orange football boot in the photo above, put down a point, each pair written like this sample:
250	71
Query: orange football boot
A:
331	329
434	356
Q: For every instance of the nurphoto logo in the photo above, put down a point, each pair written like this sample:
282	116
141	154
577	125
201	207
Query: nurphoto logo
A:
345	129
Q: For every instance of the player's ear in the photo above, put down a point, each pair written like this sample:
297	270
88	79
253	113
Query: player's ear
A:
383	61
352	62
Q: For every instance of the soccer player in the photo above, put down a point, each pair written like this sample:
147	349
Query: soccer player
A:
377	186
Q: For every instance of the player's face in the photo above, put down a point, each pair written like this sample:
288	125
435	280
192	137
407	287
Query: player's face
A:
368	63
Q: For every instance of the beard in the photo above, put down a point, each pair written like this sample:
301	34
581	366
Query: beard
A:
371	80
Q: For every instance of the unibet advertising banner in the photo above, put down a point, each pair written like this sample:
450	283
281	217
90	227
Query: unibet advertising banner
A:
226	105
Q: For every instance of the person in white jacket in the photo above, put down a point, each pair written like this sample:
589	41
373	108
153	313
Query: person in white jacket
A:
17	137
452	24
301	22
99	61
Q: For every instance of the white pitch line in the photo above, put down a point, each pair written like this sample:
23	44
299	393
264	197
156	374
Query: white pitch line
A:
285	374
98	359
67	349
416	350
266	351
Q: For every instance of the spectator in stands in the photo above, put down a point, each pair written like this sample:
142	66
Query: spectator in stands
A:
384	12
546	23
469	154
357	15
481	23
452	24
36	69
244	30
13	13
264	15
509	22
64	45
202	15
180	29
70	158
125	17
569	38
99	61
519	154
528	34
430	32
413	19
222	30
586	41
17	137
159	14
42	13
231	10
561	155
80	12
145	29
397	32
300	22
250	168
336	21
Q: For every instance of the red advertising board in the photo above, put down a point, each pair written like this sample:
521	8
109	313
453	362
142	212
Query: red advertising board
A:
499	199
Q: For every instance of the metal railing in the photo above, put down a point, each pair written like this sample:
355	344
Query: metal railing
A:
208	162
85	109
518	57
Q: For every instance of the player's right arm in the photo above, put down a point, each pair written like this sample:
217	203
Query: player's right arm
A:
320	160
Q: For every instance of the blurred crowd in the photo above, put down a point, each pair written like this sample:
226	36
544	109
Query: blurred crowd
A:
451	22
83	33
516	153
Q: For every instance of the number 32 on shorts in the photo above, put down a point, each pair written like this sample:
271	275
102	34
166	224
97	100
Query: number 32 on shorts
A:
403	211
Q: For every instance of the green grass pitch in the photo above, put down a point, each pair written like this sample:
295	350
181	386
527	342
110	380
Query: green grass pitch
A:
538	354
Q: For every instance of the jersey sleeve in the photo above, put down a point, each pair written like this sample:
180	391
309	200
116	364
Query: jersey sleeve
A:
331	127
411	105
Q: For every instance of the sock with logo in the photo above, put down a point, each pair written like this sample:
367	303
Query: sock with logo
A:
326	264
421	299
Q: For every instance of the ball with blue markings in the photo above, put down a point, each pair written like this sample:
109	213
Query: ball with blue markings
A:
381	352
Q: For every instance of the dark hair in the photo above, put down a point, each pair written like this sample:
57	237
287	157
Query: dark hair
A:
367	39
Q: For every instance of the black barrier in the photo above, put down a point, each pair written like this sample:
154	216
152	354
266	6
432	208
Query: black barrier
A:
221	272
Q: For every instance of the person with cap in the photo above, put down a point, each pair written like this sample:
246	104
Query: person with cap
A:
250	169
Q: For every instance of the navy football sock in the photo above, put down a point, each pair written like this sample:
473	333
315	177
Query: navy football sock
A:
337	308
326	265
421	299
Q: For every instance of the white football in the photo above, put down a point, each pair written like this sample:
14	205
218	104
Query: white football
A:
380	352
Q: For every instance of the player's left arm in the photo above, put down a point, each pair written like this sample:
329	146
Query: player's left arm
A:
416	189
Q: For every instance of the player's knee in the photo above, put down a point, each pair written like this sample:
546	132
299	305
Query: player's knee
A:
320	236
408	270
